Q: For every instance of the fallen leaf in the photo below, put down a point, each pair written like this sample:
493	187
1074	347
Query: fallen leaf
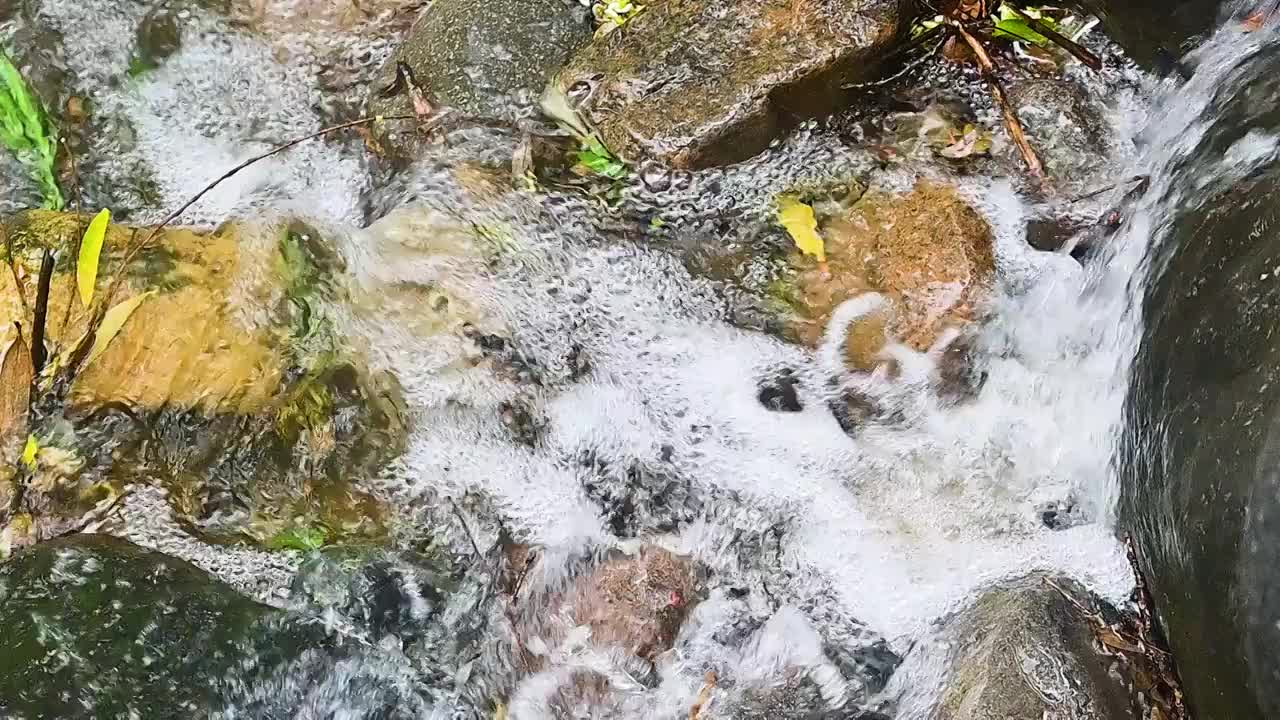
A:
16	373
112	322
971	142
802	226
1113	640
90	250
30	452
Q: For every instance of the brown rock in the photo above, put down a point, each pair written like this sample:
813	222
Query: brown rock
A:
637	602
928	252
1024	651
697	83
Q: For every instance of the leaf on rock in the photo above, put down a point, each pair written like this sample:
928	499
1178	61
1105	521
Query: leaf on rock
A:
30	452
971	142
112	322
16	374
90	250
802	226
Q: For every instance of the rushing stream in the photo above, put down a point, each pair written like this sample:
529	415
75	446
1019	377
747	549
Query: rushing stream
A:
621	404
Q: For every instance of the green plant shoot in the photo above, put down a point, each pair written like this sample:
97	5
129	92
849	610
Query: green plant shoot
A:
594	156
25	129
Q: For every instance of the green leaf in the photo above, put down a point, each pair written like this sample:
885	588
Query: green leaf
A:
112	322
305	539
90	250
1011	25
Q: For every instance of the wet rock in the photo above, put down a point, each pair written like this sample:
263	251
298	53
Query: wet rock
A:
636	602
928	252
229	383
378	591
1025	651
1157	32
779	393
1199	482
1063	124
97	627
696	83
489	59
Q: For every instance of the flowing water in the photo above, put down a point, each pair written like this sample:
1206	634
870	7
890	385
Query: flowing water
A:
634	383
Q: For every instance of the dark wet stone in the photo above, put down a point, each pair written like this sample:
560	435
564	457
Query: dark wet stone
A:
1026	651
1054	233
96	627
381	592
489	59
696	83
960	374
1157	33
779	393
159	35
1200	488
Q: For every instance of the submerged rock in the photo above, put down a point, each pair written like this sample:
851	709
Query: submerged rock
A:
696	83
228	383
97	627
928	252
1025	651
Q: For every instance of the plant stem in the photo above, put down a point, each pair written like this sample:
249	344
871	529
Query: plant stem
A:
1011	120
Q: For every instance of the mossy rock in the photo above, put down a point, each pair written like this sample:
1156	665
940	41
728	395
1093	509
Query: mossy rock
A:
96	627
1025	650
229	384
697	83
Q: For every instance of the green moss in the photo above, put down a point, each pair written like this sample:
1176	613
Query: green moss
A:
310	406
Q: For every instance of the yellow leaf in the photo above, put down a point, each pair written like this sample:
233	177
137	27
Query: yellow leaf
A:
90	249
801	224
30	451
112	322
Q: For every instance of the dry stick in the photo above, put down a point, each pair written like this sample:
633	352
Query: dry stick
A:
1081	53
39	353
1011	120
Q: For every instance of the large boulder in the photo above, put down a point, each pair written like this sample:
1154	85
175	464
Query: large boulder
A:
1200	471
229	383
96	627
1157	32
696	83
1025	651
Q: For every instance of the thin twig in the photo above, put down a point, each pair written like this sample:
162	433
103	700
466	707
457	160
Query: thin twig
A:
17	282
155	231
1081	53
1136	179
77	203
1011	120
529	560
901	73
457	511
